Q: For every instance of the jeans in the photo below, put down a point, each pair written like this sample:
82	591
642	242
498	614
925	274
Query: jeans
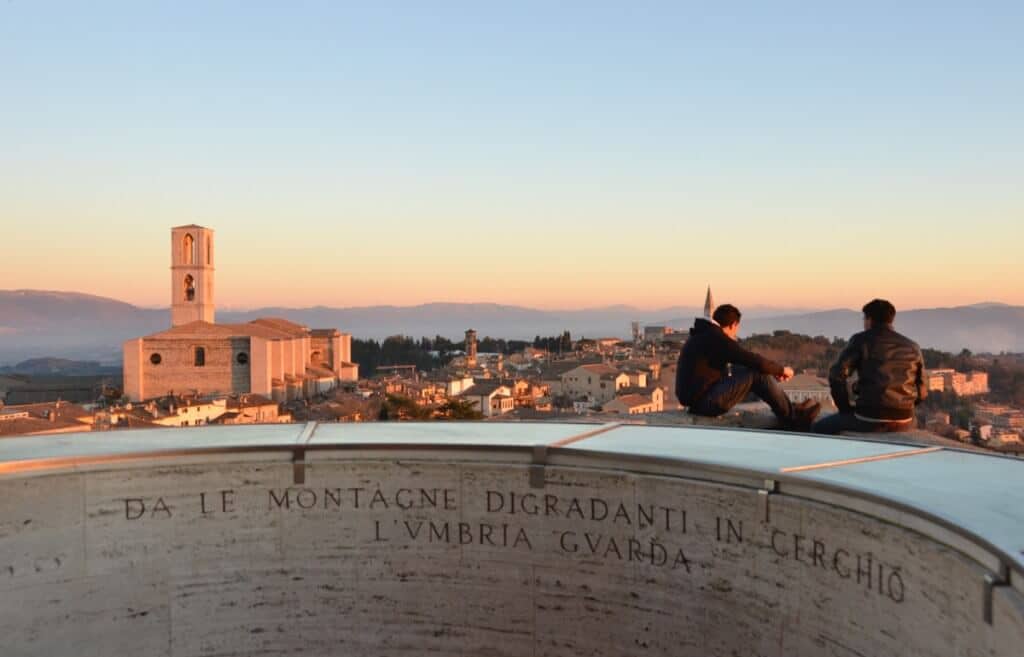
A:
840	422
731	390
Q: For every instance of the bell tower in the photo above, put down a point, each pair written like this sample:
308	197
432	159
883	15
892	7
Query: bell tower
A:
191	275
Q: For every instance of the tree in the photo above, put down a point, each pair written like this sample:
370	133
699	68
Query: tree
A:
397	407
460	409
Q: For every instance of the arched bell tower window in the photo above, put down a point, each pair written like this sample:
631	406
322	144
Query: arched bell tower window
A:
190	288
188	250
200	357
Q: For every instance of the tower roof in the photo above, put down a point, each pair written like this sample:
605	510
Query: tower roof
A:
709	304
191	226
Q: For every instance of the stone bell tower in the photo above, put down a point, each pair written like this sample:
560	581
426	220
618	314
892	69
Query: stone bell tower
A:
191	275
470	348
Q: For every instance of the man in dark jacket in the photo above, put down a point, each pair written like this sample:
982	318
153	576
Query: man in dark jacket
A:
890	377
705	385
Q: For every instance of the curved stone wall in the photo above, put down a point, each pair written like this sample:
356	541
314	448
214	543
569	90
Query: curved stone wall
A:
408	551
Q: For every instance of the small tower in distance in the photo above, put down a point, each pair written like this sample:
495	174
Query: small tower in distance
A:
709	304
191	275
470	348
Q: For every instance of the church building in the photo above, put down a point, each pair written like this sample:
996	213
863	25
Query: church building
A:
273	357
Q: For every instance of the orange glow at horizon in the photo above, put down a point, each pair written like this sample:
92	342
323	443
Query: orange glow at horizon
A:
257	271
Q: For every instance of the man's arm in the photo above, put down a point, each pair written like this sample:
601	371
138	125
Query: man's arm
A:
734	353
847	362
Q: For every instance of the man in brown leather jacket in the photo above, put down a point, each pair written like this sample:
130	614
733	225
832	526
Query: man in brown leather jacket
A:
890	378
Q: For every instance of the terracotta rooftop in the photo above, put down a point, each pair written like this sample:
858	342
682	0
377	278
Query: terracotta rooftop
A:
270	329
281	324
483	389
634	400
249	400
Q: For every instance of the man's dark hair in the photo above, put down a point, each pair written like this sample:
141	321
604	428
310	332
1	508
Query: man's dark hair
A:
726	315
880	312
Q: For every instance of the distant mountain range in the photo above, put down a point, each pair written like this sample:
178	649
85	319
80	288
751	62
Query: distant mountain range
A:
72	325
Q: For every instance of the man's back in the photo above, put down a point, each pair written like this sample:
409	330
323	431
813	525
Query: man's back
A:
890	374
703	359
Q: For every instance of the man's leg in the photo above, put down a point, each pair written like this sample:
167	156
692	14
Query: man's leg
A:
725	394
768	390
835	424
840	422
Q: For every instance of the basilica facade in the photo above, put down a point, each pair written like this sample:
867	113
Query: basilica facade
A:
273	357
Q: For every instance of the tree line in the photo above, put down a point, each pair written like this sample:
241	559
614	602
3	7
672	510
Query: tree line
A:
431	353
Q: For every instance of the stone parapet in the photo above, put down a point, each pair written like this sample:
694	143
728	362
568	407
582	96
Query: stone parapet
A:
506	539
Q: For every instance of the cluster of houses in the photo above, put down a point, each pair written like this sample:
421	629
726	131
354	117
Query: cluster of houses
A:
169	411
599	376
996	426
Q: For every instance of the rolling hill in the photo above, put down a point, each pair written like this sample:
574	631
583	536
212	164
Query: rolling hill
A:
72	325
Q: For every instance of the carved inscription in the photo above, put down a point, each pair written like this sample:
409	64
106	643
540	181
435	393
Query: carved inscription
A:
661	535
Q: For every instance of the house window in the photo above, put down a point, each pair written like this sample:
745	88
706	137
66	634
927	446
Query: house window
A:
156	359
200	357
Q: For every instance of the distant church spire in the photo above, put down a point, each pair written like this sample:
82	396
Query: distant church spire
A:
709	304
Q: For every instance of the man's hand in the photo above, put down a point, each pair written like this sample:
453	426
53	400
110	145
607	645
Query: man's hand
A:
787	374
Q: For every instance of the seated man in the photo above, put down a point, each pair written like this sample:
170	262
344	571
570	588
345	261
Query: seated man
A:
890	377
703	384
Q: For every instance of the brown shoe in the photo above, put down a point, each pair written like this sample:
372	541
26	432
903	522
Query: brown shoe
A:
804	415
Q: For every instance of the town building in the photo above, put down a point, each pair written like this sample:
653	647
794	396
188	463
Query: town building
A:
551	374
185	412
491	398
253	409
967	384
272	357
656	333
596	383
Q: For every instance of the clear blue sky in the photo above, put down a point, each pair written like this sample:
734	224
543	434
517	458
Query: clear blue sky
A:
551	154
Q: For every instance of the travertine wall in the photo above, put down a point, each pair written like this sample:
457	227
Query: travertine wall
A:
413	558
222	373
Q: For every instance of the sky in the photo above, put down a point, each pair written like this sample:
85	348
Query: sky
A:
554	155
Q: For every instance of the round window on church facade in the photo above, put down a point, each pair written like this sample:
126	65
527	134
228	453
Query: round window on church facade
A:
156	359
242	358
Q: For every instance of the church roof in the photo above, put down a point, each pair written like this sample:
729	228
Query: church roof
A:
281	324
269	329
197	328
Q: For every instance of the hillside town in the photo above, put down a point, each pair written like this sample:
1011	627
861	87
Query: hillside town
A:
271	370
595	379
